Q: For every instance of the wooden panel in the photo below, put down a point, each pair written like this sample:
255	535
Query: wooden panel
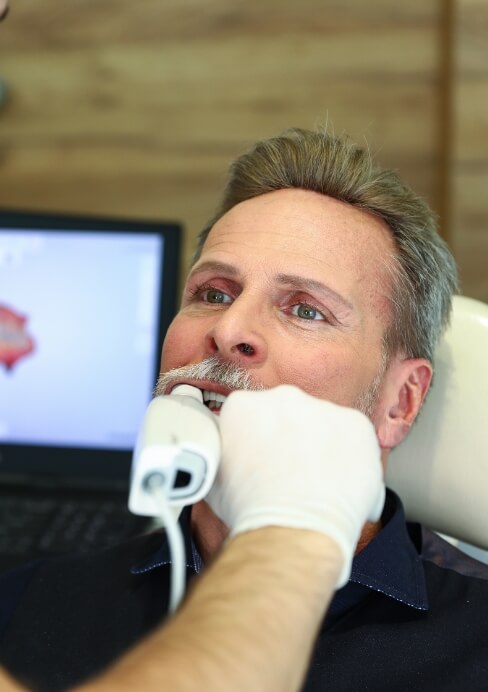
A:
470	167
37	23
471	240
136	109
472	34
471	144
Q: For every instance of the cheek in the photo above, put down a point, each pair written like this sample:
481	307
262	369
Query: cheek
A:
304	367
334	374
178	345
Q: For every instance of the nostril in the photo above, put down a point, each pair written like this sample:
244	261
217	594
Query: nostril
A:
246	348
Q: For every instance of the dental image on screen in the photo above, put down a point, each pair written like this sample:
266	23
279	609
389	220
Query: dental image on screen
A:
78	341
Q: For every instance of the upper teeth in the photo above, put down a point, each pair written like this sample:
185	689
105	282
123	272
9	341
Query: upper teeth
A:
213	396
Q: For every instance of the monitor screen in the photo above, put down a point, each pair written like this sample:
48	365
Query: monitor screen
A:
84	305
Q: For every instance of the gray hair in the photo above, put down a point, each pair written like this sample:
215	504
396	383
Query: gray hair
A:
424	271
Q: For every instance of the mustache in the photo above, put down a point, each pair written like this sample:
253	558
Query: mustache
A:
228	375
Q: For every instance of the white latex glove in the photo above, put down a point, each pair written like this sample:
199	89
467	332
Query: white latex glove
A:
290	459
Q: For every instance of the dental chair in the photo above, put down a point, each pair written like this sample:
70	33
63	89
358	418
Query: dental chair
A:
440	471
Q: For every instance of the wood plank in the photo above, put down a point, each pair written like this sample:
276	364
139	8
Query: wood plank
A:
472	38
471	120
470	165
137	109
98	22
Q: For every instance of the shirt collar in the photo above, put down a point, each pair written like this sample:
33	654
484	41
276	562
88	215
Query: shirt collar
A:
390	562
162	555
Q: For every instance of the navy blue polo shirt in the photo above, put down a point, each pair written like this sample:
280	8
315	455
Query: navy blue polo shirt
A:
414	615
389	564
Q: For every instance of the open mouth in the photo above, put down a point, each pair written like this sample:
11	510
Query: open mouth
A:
212	400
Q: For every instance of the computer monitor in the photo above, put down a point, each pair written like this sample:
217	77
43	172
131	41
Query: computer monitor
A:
84	306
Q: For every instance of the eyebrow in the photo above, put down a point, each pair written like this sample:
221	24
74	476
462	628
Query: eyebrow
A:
212	265
293	280
311	285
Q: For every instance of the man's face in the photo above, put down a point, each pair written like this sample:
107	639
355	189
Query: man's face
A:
294	287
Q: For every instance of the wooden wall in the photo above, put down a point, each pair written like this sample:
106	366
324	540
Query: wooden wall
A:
470	150
135	109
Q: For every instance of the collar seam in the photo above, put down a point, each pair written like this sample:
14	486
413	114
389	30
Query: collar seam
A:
155	565
395	597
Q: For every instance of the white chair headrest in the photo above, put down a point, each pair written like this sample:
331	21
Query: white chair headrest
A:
441	470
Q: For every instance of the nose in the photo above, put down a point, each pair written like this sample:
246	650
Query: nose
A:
237	335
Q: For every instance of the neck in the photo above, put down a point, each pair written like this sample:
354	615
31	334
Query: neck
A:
209	532
370	530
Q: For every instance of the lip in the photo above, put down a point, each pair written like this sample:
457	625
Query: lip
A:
201	384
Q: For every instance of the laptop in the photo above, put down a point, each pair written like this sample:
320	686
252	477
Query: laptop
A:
84	307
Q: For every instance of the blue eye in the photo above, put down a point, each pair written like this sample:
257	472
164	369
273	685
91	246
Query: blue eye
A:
215	296
307	312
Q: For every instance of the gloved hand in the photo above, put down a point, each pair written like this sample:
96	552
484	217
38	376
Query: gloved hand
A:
290	459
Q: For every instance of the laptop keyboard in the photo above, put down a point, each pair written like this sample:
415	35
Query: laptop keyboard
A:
31	528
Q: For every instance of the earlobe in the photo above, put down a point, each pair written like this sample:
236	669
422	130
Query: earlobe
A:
408	386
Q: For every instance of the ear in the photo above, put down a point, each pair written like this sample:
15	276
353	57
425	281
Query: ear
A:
405	388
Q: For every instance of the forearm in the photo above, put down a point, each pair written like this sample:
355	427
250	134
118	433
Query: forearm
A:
7	684
249	623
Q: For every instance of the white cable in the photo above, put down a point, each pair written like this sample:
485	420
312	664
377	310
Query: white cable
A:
175	541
